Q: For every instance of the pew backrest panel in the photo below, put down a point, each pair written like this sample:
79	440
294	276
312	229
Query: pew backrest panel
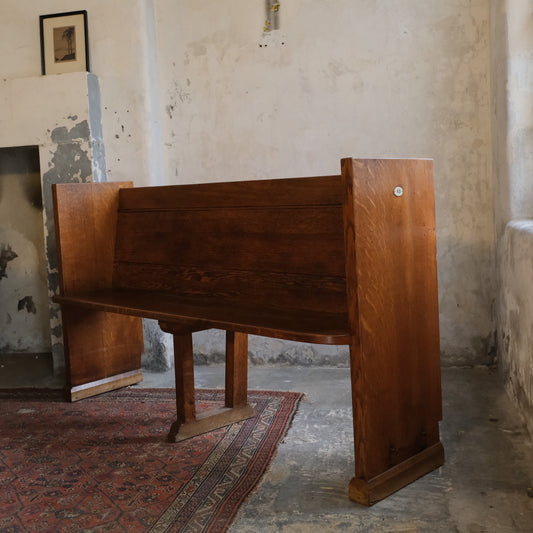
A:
278	243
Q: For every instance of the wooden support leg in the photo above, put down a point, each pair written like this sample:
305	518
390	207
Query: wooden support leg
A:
396	431
236	369
184	370
188	424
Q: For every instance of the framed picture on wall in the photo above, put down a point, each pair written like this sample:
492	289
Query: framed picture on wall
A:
64	42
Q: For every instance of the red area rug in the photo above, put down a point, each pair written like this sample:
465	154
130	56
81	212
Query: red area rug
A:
103	464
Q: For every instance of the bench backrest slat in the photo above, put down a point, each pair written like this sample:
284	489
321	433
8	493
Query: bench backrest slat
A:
323	190
274	242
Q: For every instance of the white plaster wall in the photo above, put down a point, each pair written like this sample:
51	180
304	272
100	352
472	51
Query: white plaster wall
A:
512	35
30	108
512	116
388	78
188	93
512	109
516	314
118	42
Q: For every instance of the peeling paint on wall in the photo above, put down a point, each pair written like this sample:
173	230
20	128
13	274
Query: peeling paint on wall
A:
70	163
79	132
6	255
28	304
60	119
516	314
24	321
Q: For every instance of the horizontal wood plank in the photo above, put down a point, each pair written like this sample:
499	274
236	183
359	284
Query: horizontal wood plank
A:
204	313
105	385
321	190
272	289
302	240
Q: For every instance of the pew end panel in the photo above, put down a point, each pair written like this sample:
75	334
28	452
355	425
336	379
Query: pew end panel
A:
102	350
392	288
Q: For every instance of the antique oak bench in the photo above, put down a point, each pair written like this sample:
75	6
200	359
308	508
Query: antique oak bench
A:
347	259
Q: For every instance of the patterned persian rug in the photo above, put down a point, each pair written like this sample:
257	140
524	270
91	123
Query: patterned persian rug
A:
103	464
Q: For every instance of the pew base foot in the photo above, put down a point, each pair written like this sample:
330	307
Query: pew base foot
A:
92	388
208	421
369	492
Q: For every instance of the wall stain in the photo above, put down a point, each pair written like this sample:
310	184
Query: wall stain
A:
23	160
70	164
33	193
79	132
28	304
178	94
6	255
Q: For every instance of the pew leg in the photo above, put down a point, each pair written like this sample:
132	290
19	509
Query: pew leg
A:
396	427
184	371
190	424
236	369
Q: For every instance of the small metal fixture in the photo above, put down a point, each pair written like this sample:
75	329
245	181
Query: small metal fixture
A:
398	191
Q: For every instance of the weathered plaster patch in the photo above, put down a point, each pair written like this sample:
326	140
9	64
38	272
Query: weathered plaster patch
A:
61	116
198	49
178	95
70	163
95	122
79	132
158	350
33	193
70	159
6	255
516	314
28	304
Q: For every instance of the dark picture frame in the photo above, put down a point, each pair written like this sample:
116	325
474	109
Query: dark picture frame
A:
64	42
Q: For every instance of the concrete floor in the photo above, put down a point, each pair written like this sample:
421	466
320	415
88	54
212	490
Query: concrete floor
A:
485	485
